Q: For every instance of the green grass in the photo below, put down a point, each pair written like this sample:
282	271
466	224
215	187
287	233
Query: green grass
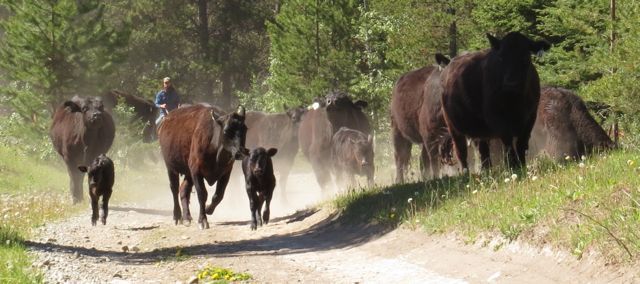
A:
30	194
578	206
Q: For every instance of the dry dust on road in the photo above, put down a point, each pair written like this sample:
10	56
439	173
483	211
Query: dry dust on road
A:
140	244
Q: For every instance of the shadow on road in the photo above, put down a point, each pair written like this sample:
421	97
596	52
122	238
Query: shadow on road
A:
328	234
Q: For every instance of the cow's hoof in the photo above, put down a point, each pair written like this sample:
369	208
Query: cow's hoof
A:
178	221
187	223
93	223
103	221
253	227
204	225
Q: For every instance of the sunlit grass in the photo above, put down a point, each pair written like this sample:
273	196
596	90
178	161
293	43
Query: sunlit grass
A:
591	204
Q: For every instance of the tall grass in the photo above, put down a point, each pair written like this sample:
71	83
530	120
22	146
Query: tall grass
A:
590	205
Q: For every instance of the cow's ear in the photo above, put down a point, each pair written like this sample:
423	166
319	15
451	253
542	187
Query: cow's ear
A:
369	138
82	169
361	104
441	59
240	111
495	43
272	151
539	47
72	106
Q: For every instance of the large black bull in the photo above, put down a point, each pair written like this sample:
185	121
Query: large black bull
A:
493	94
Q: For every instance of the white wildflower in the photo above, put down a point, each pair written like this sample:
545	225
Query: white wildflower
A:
409	200
581	165
514	176
534	178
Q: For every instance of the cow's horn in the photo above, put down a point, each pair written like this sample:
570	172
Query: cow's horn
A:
240	111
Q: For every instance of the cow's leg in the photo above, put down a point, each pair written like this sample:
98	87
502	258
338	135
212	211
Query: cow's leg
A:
201	191
522	144
267	210
321	167
76	178
510	151
485	153
402	154
94	207
284	168
174	179
185	197
253	204
221	186
460	148
430	159
105	207
259	208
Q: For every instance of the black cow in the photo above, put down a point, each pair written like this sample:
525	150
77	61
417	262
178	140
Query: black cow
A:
81	130
352	154
260	182
101	175
319	125
493	94
144	110
416	117
276	130
201	143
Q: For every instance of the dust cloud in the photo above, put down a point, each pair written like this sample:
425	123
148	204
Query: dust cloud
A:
144	185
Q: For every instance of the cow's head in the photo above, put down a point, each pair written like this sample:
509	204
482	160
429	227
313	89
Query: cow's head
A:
341	109
101	168
235	132
259	159
510	58
92	109
296	113
363	152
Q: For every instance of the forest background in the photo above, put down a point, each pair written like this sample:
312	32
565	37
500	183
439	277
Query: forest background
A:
271	53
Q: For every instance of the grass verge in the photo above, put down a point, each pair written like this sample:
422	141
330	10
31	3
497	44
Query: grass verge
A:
588	206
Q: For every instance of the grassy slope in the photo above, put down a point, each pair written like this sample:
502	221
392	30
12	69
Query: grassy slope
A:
30	194
591	205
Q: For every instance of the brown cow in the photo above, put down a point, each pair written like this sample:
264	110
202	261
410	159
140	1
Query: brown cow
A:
416	117
564	126
101	176
260	182
201	143
493	94
144	110
277	130
80	131
352	154
319	125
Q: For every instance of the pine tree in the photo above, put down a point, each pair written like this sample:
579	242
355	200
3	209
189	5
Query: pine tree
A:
55	49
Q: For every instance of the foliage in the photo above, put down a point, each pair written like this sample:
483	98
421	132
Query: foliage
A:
51	50
221	275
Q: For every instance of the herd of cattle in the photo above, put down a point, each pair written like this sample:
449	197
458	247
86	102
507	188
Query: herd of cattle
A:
480	98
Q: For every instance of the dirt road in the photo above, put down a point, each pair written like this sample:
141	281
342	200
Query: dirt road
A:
140	244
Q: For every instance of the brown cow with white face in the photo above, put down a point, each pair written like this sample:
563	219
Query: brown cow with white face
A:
493	94
319	125
81	130
201	143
